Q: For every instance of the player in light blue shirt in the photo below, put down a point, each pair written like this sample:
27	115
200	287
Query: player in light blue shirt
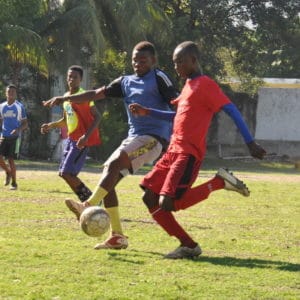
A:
13	121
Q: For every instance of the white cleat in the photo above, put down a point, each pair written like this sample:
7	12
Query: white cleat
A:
232	183
184	252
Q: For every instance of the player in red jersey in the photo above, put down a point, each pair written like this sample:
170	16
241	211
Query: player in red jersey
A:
168	186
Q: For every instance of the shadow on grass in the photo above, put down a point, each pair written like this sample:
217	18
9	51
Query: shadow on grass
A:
132	256
249	263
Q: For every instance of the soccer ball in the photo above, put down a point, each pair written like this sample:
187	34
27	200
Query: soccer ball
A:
94	221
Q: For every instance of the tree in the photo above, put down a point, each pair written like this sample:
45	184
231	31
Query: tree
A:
20	44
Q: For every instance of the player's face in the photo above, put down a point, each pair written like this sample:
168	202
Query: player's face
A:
73	79
11	94
184	64
142	62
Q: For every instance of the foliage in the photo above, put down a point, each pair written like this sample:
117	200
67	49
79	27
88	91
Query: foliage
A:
20	44
250	245
74	34
114	119
244	40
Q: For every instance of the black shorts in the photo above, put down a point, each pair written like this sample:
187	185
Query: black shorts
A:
8	146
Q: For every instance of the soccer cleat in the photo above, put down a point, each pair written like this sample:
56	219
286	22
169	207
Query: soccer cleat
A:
13	186
75	207
232	183
7	179
184	252
115	241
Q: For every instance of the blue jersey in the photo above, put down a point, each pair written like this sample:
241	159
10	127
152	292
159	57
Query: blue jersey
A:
153	90
11	117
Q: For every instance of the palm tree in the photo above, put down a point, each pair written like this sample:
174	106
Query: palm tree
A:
20	44
74	35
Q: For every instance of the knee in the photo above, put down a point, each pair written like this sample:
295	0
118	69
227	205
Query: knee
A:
150	199
65	176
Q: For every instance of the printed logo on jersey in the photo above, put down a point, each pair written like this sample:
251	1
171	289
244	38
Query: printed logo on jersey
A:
9	114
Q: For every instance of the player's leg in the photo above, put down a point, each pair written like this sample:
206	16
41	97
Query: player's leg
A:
13	173
131	155
116	239
3	165
153	183
71	164
10	154
223	180
128	158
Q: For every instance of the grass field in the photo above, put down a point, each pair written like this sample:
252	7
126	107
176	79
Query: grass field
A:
250	245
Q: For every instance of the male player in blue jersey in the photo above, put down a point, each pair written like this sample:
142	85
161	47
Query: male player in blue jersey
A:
150	87
13	121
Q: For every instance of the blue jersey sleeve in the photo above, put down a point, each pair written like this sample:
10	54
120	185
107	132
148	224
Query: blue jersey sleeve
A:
162	114
236	116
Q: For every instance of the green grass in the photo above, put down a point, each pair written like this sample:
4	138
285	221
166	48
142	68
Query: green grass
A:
250	245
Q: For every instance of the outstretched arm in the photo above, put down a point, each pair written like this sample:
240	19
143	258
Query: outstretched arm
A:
255	149
138	110
92	95
46	127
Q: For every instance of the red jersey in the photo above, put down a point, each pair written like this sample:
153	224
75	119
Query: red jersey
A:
79	120
200	99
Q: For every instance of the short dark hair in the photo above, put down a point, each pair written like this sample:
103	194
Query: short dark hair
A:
11	86
145	46
189	47
77	68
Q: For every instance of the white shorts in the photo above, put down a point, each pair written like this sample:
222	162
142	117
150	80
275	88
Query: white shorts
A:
140	150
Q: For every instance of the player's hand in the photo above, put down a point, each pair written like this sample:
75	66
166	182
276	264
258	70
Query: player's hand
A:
138	110
166	203
53	101
45	128
256	150
15	131
81	142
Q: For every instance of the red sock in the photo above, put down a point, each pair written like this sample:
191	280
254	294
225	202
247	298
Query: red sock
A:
198	193
167	221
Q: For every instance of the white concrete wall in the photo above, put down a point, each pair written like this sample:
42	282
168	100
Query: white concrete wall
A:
278	114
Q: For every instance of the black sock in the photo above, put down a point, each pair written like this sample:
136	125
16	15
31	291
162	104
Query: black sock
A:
83	192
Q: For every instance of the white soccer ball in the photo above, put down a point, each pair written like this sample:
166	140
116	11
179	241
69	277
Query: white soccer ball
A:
94	221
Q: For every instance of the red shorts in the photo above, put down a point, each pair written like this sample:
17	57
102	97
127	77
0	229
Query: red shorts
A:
172	175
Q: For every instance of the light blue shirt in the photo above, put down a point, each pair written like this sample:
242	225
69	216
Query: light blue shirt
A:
11	116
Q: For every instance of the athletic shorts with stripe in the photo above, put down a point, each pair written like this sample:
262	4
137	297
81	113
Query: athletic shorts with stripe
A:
172	175
141	150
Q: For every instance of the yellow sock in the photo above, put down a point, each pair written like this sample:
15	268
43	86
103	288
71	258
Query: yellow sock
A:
115	221
98	194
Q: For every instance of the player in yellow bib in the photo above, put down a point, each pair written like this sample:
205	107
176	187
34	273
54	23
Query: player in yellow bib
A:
81	120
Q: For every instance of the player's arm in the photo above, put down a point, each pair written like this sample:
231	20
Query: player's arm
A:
83	139
23	126
46	127
87	96
140	111
255	149
166	86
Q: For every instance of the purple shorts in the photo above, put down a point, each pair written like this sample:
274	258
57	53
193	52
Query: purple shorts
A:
73	158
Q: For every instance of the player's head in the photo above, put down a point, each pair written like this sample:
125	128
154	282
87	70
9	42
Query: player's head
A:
11	92
143	57
186	57
74	77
